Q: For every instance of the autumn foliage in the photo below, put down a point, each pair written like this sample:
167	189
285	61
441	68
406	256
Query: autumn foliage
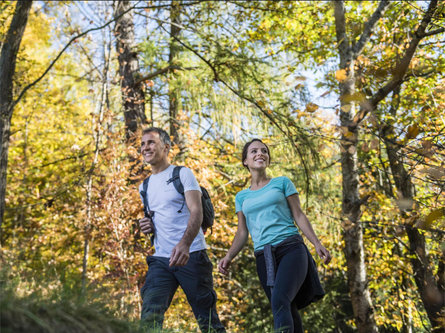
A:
233	71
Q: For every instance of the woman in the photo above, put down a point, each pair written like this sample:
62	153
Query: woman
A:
268	209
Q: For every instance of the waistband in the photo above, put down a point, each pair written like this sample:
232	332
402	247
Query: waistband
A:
269	256
292	239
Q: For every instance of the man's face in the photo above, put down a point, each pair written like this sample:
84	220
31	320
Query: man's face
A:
153	149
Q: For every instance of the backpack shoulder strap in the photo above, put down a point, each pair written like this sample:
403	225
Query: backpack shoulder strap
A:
145	196
177	180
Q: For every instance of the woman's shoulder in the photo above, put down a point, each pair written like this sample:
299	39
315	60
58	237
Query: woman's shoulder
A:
281	179
284	182
241	194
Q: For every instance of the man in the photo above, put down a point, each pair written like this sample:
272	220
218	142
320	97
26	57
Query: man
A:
180	257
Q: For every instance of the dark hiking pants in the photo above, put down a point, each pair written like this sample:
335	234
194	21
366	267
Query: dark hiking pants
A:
291	268
195	279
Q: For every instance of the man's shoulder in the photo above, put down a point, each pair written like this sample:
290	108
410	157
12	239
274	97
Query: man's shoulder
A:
141	185
181	167
184	171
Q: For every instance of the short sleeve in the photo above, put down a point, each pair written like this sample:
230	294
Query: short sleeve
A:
140	190
188	180
238	203
289	187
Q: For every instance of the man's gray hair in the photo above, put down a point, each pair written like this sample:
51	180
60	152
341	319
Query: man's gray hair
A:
163	135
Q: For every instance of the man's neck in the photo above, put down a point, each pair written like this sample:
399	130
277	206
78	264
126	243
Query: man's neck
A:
159	167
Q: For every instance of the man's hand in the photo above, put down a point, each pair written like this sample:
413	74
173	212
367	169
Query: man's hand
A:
147	226
180	255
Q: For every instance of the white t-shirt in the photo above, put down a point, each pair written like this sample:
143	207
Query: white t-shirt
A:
165	202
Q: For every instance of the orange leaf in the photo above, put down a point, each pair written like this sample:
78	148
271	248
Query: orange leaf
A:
340	75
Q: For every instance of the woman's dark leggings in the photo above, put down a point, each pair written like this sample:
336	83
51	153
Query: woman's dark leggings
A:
291	269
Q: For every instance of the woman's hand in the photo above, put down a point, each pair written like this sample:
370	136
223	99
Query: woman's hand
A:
224	265
323	253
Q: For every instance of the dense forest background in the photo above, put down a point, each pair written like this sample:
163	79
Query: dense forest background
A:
349	96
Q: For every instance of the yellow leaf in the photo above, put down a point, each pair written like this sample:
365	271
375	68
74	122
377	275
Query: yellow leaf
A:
434	215
311	107
349	135
340	75
413	131
261	104
355	97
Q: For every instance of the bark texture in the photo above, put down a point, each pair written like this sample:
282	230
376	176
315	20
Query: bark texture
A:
133	97
173	93
351	202
8	59
431	288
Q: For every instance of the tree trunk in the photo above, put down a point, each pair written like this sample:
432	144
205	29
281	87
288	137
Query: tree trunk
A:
8	58
173	93
430	289
97	130
133	98
352	229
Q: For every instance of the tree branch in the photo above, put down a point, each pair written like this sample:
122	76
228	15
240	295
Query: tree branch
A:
403	65
433	32
401	68
369	27
14	103
155	73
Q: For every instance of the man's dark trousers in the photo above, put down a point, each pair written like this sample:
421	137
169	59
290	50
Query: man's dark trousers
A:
195	279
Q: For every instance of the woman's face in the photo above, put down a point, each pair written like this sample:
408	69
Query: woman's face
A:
257	156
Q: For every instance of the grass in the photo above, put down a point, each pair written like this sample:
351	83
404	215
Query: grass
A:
58	313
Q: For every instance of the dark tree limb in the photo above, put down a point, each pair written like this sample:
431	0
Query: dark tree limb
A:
369	27
402	66
400	70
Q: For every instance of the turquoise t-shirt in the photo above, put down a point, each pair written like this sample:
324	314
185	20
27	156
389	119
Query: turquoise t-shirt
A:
268	217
